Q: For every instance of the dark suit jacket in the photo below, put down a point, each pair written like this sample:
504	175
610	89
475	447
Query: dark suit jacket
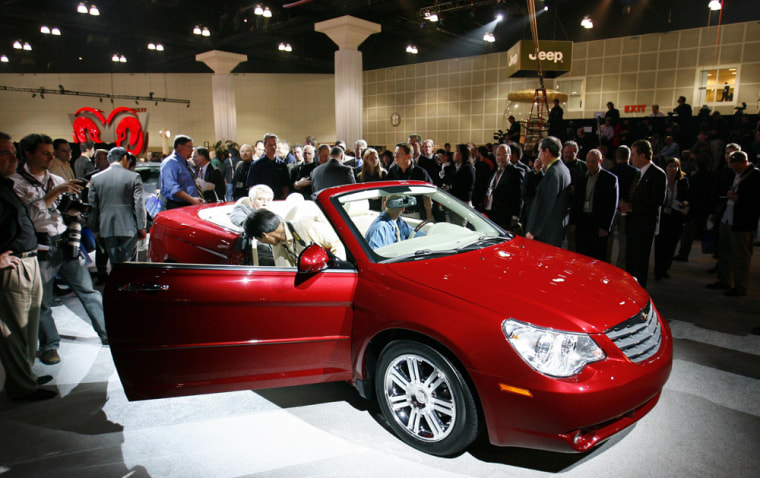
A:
548	214
604	201
213	175
507	195
648	196
747	207
332	173
625	174
462	182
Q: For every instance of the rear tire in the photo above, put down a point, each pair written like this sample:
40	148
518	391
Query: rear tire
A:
425	399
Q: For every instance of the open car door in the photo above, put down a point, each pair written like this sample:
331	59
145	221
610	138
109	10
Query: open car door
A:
184	329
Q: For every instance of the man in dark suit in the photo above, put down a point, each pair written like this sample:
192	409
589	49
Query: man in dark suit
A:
626	174
332	173
548	214
737	225
210	179
593	207
643	209
504	194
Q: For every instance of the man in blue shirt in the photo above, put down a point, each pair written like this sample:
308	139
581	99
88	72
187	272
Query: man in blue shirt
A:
177	179
390	227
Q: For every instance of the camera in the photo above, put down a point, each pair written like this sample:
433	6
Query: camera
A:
72	202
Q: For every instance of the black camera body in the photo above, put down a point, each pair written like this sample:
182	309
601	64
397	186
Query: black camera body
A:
73	202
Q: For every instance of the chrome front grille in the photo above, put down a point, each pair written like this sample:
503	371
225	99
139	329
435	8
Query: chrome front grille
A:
638	337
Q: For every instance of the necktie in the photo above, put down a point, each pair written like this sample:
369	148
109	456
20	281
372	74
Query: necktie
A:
192	175
494	183
398	232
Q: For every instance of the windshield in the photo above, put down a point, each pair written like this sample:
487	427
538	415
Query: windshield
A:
407	223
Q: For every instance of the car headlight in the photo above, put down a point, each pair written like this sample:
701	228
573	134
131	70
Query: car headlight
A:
551	352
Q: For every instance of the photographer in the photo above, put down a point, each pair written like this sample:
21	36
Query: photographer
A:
57	231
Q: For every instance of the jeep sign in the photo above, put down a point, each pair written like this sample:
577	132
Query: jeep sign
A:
556	58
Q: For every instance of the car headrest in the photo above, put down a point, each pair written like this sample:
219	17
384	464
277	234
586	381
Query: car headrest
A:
358	208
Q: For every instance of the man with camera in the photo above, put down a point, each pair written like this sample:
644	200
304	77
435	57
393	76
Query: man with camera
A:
55	209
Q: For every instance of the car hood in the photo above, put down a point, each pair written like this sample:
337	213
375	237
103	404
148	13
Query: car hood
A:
534	282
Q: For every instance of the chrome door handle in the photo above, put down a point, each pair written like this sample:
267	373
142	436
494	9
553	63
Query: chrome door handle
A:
143	288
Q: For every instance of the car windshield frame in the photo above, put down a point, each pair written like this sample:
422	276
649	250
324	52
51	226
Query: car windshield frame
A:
450	239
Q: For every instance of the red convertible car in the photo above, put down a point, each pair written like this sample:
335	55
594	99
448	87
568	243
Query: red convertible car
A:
454	326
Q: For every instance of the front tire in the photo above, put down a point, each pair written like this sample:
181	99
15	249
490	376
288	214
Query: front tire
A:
425	399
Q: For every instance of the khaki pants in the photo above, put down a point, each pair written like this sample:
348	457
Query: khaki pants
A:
20	298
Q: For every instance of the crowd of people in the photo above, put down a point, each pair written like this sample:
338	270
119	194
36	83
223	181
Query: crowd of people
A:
640	184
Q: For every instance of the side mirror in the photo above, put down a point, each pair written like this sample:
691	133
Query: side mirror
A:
313	259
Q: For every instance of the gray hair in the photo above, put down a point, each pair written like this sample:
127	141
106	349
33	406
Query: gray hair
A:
115	155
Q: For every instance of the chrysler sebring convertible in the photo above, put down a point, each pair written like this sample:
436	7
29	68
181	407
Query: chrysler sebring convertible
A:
454	326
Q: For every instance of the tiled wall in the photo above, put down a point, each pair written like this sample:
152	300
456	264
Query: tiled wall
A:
465	99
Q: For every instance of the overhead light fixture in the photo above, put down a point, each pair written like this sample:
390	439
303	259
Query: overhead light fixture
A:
115	58
499	17
151	46
587	23
488	37
715	5
267	13
411	49
82	8
94	11
258	10
27	46
546	8
45	29
205	32
17	45
159	47
431	16
197	30
285	47
55	31
4	59
122	59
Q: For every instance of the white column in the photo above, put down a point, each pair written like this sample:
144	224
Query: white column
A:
223	90
348	33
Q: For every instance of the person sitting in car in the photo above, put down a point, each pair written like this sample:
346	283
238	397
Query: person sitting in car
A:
390	227
288	239
259	196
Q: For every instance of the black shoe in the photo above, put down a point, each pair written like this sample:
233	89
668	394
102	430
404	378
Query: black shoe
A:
681	259
735	292
39	394
43	379
50	357
717	286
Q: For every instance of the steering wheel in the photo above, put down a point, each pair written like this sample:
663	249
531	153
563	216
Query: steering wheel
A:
420	226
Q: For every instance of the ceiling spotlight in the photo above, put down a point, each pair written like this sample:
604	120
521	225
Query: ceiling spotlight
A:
411	49
159	47
122	59
151	46
258	10
4	59
205	32
715	5
499	17
587	23
94	11
17	45
82	8
267	13
56	31
115	58
431	16
27	46
546	8
45	29
197	30
285	47
488	37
